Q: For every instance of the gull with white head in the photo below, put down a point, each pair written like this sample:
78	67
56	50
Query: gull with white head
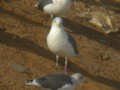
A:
54	7
60	42
58	81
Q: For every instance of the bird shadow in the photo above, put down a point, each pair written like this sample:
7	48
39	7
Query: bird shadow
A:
19	17
75	68
24	44
111	40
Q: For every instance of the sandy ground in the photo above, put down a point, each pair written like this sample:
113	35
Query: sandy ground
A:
23	31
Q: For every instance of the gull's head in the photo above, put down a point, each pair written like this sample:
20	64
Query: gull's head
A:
32	82
57	21
78	77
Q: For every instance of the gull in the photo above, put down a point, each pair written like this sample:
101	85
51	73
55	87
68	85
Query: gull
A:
54	7
101	19
58	81
60	42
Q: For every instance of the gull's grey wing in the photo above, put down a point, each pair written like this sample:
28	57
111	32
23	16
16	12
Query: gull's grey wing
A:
54	81
72	42
40	4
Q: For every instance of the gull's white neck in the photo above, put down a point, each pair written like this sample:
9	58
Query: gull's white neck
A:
55	29
56	26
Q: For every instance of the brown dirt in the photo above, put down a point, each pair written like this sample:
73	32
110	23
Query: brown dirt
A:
23	42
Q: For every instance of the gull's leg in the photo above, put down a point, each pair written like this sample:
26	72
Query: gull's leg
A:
57	59
66	64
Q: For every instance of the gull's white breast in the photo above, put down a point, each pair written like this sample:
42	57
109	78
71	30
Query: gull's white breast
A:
58	43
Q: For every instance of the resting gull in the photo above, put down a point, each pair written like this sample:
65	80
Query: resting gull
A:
60	42
58	81
54	7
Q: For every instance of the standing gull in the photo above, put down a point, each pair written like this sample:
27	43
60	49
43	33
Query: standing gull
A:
60	42
54	7
58	81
